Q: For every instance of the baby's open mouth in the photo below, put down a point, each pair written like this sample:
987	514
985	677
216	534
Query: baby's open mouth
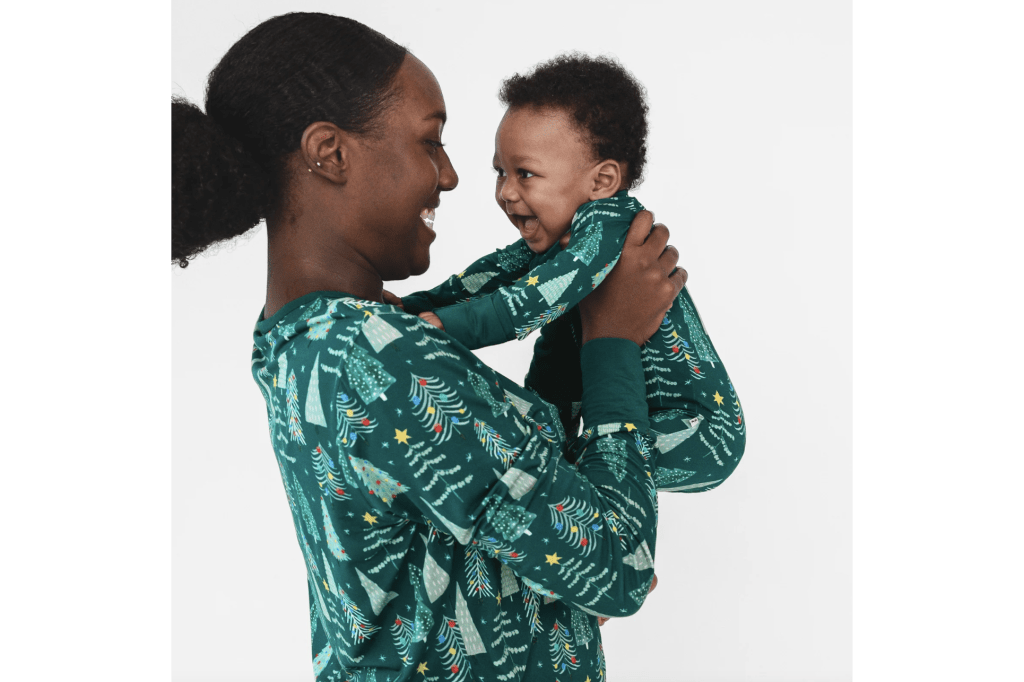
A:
528	225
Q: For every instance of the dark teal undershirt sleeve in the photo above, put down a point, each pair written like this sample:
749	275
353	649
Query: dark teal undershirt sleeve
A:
479	322
613	383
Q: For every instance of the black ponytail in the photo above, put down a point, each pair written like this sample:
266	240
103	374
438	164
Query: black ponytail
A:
283	75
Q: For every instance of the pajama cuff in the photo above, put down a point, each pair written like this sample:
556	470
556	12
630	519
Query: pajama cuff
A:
613	383
478	322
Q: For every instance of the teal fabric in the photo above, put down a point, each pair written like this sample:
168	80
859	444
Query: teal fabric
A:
445	534
696	416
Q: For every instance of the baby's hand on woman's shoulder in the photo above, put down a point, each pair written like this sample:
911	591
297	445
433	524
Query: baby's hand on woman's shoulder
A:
432	319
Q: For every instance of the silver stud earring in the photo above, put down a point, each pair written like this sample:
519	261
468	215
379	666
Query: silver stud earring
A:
317	164
310	170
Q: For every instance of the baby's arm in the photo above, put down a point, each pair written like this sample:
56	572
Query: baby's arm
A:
558	283
496	269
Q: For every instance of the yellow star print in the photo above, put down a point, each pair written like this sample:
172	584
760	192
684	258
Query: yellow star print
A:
369	518
532	280
718	398
630	427
402	436
552	559
422	668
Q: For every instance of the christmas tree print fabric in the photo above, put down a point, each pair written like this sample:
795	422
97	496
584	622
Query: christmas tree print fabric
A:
696	416
446	535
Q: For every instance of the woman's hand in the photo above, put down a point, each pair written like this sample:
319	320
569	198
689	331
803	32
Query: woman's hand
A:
601	620
631	303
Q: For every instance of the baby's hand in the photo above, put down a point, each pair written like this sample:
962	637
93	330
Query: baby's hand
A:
391	299
432	319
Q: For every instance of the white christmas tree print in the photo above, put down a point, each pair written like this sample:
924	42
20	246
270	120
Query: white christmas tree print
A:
483	390
461	534
510	520
474	282
282	371
641	559
328	476
435	578
563	653
666	442
576	522
584	247
613	452
366	374
359	627
322	659
669	479
477	581
656	375
333	543
519	482
539	321
378	332
331	585
314	410
319	326
509	586
531	600
553	288
515	257
402	633
521	404
452	650
307	514
294	420
378	598
603	273
438	407
581	629
378	482
423	620
494	444
697	335
352	420
495	549
470	635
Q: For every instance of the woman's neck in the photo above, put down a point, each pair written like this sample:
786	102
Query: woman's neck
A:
296	267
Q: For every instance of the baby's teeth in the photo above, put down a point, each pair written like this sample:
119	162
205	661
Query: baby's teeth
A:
427	216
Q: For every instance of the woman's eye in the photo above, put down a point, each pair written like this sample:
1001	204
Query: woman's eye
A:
435	145
500	172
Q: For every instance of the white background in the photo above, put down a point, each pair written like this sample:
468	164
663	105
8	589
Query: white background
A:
750	168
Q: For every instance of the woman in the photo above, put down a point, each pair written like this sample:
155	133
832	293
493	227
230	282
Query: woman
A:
445	535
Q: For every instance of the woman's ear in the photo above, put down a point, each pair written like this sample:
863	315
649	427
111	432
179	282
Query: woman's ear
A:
606	179
326	150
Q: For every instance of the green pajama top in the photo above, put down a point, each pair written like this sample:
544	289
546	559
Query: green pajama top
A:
445	534
698	420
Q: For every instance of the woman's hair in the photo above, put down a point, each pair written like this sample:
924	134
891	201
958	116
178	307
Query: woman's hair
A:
606	102
228	167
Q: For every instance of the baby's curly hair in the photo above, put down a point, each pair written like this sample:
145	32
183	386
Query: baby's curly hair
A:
605	100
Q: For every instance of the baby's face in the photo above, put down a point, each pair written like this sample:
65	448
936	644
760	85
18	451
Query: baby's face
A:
543	174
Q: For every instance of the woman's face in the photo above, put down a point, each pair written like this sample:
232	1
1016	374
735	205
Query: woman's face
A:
406	171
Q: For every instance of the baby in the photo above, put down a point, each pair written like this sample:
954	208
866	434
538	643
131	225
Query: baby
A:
570	146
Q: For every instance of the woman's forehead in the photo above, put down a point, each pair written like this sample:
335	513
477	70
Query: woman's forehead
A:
419	88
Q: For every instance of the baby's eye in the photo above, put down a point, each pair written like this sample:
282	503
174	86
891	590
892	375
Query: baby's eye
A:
524	174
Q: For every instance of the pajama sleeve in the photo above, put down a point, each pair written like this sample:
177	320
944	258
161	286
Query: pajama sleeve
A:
494	270
464	449
557	282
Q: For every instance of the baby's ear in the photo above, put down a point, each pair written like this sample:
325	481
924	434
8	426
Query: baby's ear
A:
606	179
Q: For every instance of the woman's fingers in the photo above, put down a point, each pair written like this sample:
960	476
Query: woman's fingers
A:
669	258
640	228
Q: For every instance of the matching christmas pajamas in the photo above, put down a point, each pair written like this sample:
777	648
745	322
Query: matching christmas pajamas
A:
697	418
445	534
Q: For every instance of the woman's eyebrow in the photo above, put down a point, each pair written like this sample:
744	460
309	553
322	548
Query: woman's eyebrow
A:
440	113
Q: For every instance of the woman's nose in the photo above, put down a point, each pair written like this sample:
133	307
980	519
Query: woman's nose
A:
448	178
